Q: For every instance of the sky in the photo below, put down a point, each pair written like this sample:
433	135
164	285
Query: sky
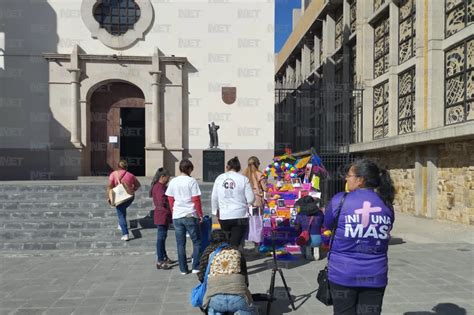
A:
283	18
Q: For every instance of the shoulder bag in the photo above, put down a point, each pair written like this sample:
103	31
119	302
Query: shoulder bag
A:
324	294
304	237
120	193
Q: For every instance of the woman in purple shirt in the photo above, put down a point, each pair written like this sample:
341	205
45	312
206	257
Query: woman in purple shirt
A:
358	262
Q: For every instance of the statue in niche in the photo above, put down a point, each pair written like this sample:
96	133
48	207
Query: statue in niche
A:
214	139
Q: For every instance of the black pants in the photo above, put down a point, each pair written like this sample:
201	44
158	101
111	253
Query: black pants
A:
237	228
356	300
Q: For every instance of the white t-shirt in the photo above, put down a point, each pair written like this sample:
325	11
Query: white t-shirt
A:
182	188
232	194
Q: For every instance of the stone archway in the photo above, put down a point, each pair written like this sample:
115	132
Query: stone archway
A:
117	128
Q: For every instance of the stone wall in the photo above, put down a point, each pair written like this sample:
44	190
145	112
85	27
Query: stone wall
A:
456	182
454	179
401	165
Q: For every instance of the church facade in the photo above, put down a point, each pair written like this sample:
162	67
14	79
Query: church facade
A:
85	83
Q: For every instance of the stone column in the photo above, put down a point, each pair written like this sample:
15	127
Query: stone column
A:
432	180
76	112
316	54
155	109
328	131
365	65
305	61
298	79
430	82
392	72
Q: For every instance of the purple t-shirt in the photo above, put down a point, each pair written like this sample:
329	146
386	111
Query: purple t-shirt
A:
303	221
358	255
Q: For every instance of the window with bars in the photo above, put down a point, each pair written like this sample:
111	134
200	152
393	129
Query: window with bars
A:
406	31
353	15
338	99
406	101
320	38
117	16
339	30
380	118
352	65
378	4
459	14
310	44
381	46
338	125
459	83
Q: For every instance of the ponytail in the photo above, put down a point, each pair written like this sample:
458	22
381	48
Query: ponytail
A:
376	178
386	190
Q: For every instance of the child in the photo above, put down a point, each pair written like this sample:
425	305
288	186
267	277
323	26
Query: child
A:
309	218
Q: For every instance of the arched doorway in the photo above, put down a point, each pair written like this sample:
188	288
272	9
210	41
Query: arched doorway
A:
117	128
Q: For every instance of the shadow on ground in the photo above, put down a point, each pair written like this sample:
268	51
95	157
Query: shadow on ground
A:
441	309
396	241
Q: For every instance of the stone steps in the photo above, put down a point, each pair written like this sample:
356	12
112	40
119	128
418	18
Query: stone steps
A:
58	204
42	197
73	215
55	223
7	247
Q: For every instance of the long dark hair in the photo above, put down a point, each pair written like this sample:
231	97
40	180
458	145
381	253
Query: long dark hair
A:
218	237
160	172
376	178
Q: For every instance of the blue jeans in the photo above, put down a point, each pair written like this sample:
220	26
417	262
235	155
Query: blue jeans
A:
162	233
191	225
122	215
221	303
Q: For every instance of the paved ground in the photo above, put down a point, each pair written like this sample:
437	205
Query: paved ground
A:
431	272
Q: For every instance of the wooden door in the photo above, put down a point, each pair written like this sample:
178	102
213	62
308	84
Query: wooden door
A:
105	104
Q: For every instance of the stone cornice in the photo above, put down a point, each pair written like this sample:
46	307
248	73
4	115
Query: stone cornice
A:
114	58
437	135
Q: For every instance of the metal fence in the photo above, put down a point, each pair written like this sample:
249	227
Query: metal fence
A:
327	120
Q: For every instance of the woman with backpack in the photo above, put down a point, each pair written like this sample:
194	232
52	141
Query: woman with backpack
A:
227	281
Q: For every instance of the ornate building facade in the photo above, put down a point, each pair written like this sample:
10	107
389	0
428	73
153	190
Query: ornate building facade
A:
412	62
84	83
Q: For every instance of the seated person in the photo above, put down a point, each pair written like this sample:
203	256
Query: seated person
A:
310	218
227	283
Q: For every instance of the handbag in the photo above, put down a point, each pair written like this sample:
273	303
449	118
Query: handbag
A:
198	292
120	193
324	293
304	237
255	226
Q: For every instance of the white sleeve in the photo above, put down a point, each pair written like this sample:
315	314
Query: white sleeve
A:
170	191
249	195
195	191
215	197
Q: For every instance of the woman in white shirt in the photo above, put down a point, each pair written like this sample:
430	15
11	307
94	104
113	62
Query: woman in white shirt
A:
231	196
184	197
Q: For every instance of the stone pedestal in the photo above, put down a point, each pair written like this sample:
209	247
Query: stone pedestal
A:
213	161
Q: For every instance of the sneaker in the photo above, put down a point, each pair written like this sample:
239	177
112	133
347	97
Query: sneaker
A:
119	228
195	271
184	273
316	253
125	237
163	265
